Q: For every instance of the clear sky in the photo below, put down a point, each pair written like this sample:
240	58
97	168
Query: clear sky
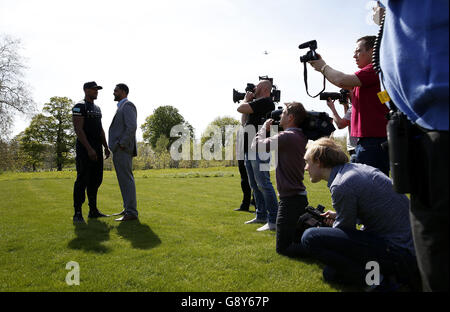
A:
188	54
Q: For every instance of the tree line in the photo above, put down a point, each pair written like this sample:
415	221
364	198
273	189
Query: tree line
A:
48	143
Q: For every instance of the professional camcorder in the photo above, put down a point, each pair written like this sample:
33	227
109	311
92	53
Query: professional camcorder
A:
315	125
275	94
343	96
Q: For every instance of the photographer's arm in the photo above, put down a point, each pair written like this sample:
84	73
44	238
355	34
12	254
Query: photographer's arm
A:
334	76
245	107
340	122
265	143
244	119
345	204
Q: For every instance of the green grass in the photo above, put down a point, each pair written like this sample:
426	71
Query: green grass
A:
188	238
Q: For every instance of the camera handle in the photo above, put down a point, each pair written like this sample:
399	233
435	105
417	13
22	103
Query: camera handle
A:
305	77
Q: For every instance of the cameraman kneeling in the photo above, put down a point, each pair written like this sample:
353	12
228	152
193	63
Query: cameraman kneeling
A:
290	145
359	193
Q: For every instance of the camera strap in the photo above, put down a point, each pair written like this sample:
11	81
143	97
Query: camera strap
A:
305	77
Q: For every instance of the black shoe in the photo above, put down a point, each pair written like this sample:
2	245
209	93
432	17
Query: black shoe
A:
96	214
78	218
245	206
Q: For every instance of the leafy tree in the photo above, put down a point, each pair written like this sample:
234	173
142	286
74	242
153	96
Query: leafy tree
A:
162	156
161	144
61	132
14	93
50	133
33	140
5	156
160	123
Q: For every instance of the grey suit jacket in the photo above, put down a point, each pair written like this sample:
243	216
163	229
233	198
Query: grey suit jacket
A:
123	129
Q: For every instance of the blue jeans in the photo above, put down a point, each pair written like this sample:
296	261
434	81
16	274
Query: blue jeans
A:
265	197
348	251
369	151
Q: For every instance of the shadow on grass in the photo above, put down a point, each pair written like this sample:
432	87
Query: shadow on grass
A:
337	286
90	236
140	235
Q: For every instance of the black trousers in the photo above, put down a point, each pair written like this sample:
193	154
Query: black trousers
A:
89	179
245	186
289	211
429	207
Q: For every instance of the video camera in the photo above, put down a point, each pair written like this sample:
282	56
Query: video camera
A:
311	55
315	125
275	94
343	95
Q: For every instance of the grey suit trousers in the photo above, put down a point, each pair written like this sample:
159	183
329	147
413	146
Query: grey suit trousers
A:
124	171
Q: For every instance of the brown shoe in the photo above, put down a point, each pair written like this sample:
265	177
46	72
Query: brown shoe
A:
127	217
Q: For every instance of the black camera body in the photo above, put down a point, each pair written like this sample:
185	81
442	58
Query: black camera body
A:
315	125
275	94
239	96
311	218
311	55
316	212
343	96
276	116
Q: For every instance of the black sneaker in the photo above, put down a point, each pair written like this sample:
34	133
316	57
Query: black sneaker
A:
96	214
78	218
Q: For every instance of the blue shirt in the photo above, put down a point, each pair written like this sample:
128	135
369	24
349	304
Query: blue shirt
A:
414	60
121	102
364	193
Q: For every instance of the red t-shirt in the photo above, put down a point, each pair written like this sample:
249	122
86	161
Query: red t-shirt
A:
368	113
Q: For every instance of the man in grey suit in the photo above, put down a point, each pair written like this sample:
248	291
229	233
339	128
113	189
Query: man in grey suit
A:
122	143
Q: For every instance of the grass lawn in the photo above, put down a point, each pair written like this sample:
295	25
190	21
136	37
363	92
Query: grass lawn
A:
188	238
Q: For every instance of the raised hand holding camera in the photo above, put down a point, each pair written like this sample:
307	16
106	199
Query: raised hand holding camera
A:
249	96
318	64
310	56
269	122
343	96
275	94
